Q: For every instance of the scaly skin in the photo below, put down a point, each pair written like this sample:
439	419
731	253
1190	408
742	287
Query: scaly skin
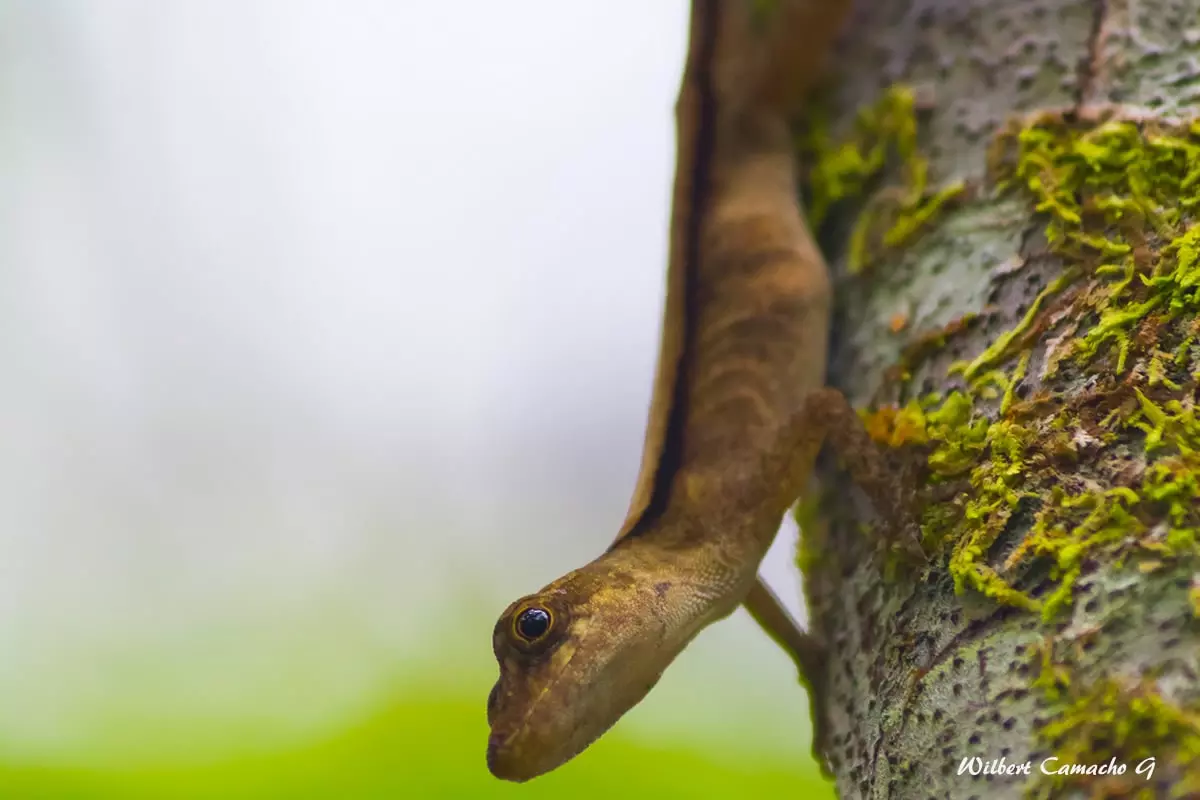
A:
735	420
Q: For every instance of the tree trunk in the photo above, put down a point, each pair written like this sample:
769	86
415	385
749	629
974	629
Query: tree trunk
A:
1027	345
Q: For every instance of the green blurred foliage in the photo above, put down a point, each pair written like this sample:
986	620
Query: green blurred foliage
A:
427	745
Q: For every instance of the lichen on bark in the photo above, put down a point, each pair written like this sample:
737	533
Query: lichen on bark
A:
1042	380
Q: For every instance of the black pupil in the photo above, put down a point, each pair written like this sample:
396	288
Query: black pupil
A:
533	623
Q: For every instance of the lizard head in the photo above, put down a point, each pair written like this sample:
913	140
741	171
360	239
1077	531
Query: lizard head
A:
574	657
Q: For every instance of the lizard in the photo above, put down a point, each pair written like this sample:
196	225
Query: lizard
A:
738	413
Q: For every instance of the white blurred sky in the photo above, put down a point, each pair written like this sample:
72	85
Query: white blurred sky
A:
325	317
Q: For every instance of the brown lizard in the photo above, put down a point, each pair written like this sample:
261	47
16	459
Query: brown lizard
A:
737	416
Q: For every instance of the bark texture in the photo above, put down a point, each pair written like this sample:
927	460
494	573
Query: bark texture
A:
1058	616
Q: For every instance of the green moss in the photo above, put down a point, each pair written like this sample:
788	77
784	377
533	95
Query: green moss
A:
915	214
1070	528
1117	200
1003	347
1173	484
998	486
843	170
961	435
1119	190
1111	719
1174	427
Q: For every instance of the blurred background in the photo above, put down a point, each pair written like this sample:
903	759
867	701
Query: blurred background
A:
328	330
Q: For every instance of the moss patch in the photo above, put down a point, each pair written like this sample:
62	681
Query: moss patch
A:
1098	451
842	170
1127	722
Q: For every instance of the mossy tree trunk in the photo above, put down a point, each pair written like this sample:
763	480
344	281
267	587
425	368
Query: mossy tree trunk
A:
1023	329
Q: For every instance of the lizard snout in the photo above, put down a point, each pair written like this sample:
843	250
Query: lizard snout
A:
504	760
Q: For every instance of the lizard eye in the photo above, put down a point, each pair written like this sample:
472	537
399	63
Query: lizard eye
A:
532	624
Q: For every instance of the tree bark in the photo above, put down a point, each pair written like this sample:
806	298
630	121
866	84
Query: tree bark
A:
1057	468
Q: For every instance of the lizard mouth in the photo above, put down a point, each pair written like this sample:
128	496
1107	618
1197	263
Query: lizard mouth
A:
497	765
506	748
504	758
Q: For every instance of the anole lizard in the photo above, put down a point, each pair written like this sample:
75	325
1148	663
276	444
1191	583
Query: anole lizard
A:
737	416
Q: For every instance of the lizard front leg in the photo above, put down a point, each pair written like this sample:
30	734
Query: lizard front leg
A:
827	416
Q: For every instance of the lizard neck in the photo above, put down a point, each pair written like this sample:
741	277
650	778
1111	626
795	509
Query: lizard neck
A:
696	561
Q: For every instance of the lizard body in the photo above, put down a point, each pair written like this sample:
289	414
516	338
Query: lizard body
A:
731	435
